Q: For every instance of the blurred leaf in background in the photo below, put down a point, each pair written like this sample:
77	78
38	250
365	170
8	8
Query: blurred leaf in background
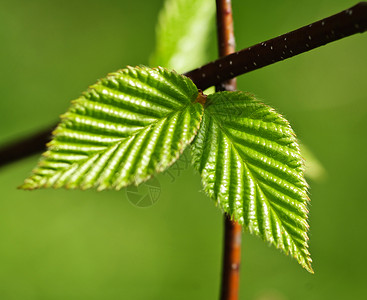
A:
314	170
182	34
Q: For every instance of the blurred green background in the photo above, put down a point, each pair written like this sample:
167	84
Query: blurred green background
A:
88	245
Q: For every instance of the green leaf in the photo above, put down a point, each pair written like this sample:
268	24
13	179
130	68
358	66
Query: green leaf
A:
183	33
125	128
314	169
250	164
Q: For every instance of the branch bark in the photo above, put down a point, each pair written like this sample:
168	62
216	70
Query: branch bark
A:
338	26
232	230
26	146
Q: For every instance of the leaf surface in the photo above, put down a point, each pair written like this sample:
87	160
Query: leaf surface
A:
250	164
125	128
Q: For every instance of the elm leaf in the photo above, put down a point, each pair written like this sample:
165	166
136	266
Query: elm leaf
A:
251	166
125	128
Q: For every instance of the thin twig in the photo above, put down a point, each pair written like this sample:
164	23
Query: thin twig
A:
232	230
343	24
25	147
226	40
231	259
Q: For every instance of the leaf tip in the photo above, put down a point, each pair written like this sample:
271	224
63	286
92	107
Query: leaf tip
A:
308	267
28	185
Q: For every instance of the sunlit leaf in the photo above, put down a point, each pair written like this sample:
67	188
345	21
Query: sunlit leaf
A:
250	164
125	128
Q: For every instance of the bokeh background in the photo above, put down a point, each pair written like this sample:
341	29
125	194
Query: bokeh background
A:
58	244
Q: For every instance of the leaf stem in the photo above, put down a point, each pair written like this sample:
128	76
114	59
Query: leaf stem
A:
338	26
232	230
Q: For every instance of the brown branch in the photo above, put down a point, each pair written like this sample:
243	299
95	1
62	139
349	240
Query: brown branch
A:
226	40
343	24
232	230
338	26
231	259
25	147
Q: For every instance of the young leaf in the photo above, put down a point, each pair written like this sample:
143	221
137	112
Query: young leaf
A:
183	33
250	164
127	126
